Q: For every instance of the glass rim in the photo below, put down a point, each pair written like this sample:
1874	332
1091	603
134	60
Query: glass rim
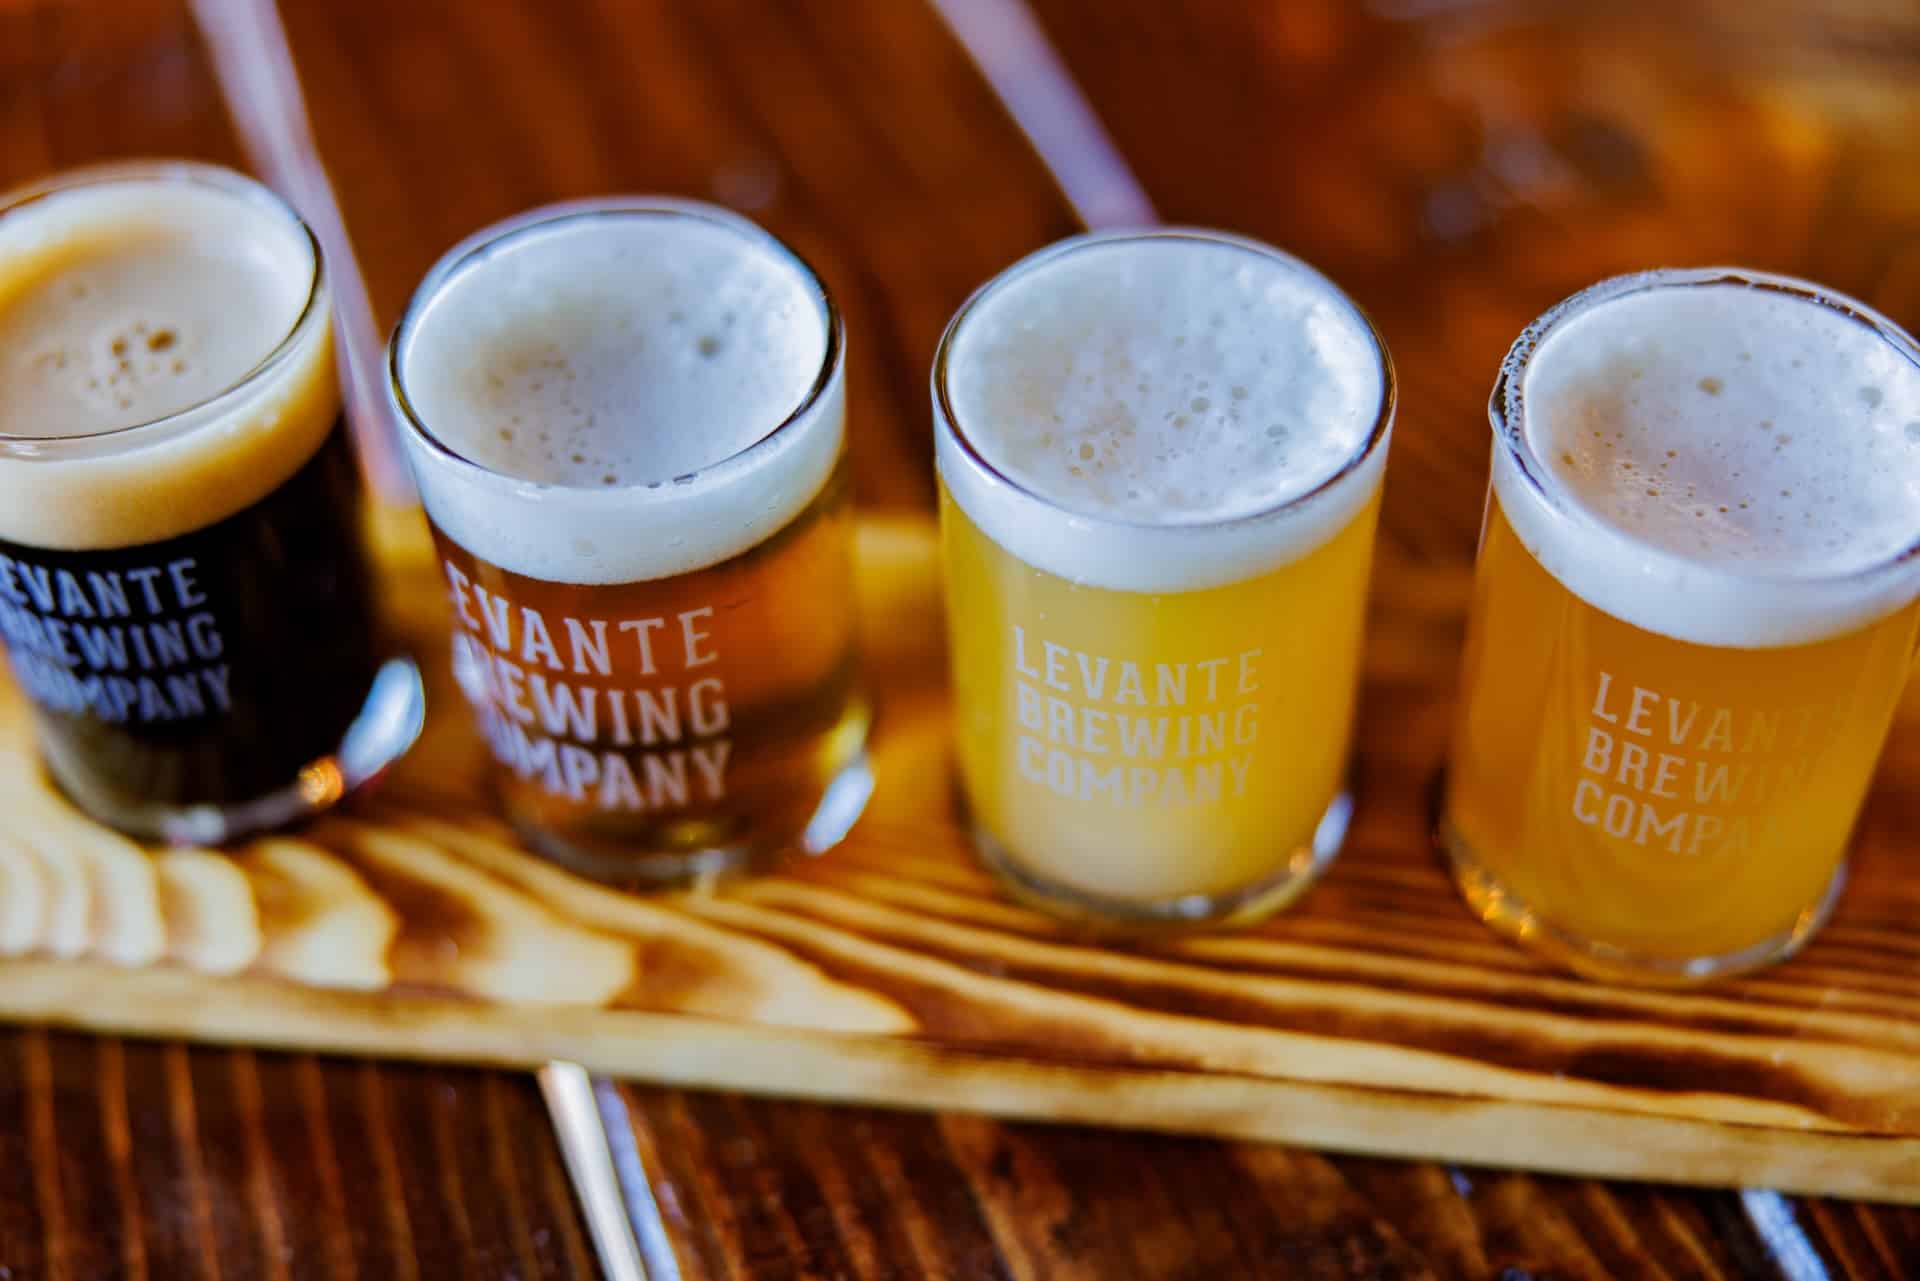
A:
133	173
473	250
1376	434
1507	411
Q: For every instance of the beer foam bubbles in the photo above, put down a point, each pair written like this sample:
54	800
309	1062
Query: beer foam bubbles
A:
1155	405
140	308
130	305
628	367
1738	455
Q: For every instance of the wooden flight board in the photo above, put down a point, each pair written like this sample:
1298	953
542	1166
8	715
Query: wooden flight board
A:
1376	1016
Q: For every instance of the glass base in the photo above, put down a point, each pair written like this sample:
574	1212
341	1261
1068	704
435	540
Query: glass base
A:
1184	912
1512	916
389	722
841	803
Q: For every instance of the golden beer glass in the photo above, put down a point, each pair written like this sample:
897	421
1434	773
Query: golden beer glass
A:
1159	456
628	420
1693	616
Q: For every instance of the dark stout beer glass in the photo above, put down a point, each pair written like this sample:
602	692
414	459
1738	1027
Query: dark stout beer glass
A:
184	595
627	420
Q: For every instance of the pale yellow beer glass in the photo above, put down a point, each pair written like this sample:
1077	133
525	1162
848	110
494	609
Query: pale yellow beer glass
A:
1160	457
1692	620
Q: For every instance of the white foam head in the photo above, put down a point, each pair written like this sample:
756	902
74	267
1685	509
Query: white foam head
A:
1723	457
1161	411
660	380
165	353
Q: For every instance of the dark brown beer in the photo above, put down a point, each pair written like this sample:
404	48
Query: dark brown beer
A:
628	424
184	596
205	669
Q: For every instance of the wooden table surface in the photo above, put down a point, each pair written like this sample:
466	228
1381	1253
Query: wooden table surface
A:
1458	164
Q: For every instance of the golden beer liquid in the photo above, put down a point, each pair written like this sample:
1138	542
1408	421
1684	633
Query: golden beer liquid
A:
751	707
1063	692
1645	795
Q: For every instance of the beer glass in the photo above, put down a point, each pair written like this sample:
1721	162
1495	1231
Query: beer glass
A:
1693	615
627	419
184	596
1159	457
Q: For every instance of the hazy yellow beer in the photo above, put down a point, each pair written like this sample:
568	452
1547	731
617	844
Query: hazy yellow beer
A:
1160	458
1692	620
628	423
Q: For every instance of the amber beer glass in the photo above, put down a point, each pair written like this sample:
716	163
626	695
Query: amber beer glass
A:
1160	458
1692	620
184	597
627	419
